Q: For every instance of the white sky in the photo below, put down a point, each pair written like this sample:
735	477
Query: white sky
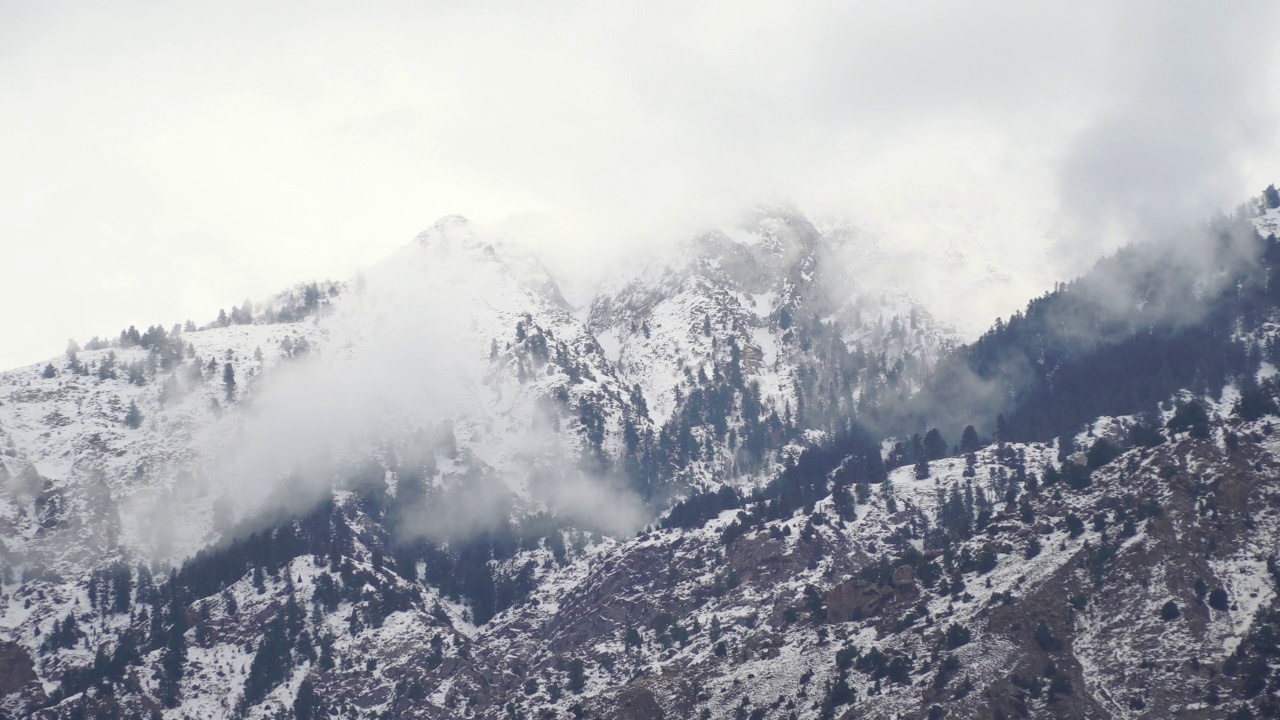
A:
163	160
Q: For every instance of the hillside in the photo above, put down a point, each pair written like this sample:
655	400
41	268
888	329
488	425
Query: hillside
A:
740	483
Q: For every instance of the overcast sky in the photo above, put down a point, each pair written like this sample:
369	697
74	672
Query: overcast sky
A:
161	161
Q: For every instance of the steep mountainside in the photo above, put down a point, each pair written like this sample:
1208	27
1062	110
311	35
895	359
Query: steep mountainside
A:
754	334
728	488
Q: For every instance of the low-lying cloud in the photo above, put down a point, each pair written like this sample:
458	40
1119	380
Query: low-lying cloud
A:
399	362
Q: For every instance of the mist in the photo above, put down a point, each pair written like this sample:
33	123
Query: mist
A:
1157	300
165	162
1177	137
400	383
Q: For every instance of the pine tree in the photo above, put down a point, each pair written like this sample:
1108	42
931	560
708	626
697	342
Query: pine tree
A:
49	371
172	660
1066	446
229	380
271	663
922	469
935	446
73	362
1033	548
307	705
311	297
133	418
957	636
1190	416
577	676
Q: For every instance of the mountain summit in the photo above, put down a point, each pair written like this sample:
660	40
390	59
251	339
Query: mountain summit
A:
748	479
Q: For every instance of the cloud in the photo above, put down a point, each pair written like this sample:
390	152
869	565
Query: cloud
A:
1186	105
398	360
188	156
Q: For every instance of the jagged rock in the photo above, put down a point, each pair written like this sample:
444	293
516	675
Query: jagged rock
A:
904	576
854	599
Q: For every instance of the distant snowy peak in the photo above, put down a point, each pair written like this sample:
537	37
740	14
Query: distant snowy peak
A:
469	303
770	236
454	239
725	287
767	252
759	281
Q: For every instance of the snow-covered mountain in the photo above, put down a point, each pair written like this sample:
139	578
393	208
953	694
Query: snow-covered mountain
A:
440	491
757	285
760	322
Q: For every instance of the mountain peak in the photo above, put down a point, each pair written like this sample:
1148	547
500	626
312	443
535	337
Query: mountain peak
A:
450	228
455	238
458	444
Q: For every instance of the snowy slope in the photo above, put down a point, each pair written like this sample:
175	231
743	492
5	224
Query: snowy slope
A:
421	498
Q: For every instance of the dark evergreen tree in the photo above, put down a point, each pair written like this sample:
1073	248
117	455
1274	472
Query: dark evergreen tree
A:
935	446
1077	476
957	636
1051	475
271	663
1101	452
922	469
306	705
173	657
133	418
1145	435
1003	433
107	367
1190	417
229	380
1256	403
577	676
1033	548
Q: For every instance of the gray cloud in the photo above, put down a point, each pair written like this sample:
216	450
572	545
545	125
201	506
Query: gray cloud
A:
1185	107
162	162
393	364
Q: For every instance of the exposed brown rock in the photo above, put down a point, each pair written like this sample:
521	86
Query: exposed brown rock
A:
854	599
